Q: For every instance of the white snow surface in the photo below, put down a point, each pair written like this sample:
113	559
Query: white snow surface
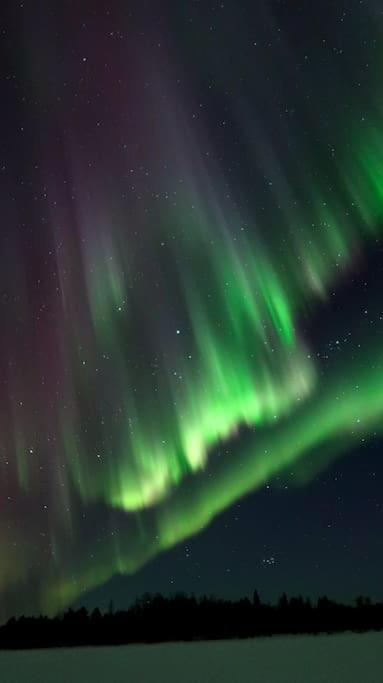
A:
345	658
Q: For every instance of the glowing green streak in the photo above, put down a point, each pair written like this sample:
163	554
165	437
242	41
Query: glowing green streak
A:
349	409
246	367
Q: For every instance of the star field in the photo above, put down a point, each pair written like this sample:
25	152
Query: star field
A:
190	308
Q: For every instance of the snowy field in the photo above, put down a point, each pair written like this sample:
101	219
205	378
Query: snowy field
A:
346	658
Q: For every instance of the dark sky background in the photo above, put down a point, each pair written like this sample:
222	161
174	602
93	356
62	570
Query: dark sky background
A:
190	300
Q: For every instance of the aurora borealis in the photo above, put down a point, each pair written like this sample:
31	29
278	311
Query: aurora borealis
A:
184	191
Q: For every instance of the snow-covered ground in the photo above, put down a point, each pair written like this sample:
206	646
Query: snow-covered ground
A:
346	658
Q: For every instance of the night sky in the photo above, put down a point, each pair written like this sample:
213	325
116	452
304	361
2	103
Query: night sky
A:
191	277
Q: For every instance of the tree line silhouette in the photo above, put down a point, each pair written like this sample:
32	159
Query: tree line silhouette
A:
155	618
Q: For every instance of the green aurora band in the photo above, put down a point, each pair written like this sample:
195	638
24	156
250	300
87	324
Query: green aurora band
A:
346	410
